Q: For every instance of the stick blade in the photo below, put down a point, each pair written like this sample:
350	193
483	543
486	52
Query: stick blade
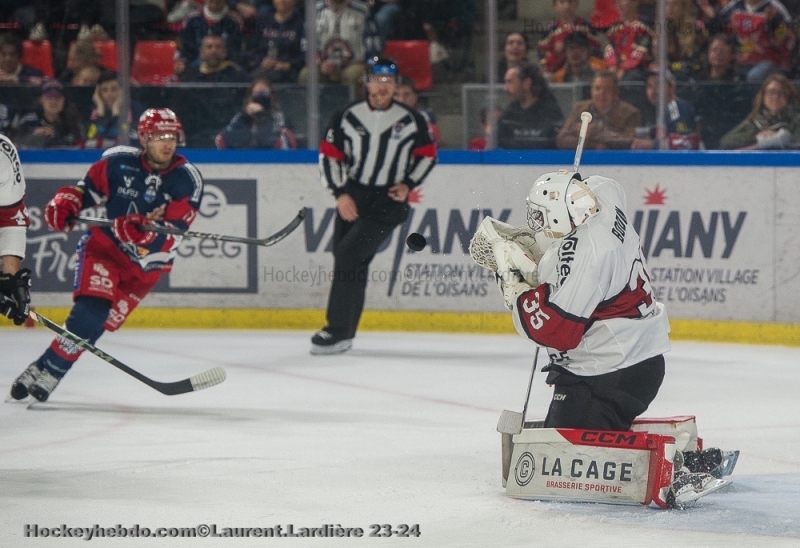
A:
510	422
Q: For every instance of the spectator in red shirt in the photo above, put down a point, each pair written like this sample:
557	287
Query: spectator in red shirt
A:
551	46
630	48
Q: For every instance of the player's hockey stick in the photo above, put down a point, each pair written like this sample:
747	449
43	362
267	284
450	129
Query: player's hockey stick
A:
271	240
512	422
194	383
586	117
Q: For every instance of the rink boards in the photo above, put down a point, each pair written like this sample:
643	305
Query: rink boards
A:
721	242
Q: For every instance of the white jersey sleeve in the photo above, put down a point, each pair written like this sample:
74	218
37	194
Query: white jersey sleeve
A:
13	214
595	310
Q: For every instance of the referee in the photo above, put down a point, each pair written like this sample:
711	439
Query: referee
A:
374	152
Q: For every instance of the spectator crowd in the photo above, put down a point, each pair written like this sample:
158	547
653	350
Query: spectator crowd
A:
729	74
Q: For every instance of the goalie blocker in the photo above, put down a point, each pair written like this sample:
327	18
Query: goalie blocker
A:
618	467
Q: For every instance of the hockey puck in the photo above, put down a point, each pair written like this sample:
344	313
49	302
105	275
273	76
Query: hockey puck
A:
416	241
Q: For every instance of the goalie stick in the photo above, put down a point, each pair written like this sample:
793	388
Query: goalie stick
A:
270	240
194	383
512	422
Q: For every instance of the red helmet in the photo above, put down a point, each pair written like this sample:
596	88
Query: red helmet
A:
160	120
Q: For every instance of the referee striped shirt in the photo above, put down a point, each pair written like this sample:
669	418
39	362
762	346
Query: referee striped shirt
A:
376	148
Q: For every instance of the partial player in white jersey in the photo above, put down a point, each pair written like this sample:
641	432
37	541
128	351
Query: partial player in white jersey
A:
14	281
594	309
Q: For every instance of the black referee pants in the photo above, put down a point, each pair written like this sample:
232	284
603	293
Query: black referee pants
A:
603	402
354	247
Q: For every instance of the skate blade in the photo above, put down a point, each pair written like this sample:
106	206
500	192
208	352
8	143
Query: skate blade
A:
688	499
9	399
729	459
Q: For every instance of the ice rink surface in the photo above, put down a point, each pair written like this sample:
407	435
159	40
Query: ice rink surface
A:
401	430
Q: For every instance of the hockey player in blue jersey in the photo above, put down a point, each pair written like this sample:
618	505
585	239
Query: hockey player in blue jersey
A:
118	265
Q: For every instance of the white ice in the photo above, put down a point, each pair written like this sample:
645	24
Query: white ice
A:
401	430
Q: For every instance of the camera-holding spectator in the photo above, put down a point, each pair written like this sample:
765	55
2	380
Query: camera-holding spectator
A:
682	131
81	54
280	51
104	126
347	38
613	124
482	142
260	124
11	70
214	19
406	93
213	66
630	48
580	65
774	122
763	29
551	46
533	118
54	124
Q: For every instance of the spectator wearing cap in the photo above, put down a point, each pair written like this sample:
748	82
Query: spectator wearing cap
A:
551	46
103	129
54	123
613	124
580	64
80	55
533	118
348	36
406	93
213	66
213	19
682	129
11	70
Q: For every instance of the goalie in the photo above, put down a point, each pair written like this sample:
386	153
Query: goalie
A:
577	284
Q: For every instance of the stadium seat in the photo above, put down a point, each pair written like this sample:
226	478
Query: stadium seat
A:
412	60
109	50
38	55
153	62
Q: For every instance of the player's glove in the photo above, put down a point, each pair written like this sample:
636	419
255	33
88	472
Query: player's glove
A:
60	212
128	229
15	296
511	286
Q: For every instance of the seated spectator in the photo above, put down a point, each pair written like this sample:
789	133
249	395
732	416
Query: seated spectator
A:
183	9
80	55
54	124
719	61
774	122
8	116
533	117
388	15
280	51
630	48
406	93
515	52
104	121
213	19
763	29
482	142
551	46
213	66
686	38
11	70
580	65
682	131
613	124
260	124
87	76
447	25
347	38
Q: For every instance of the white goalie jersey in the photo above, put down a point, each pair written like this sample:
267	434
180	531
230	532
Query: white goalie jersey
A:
594	309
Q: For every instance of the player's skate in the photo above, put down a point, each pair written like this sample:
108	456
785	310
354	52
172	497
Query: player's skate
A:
324	342
687	487
45	383
21	386
712	461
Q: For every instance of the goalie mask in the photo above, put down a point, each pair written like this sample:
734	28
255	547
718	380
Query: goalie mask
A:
558	203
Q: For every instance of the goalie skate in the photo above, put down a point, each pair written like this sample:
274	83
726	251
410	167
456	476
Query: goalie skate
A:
688	487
